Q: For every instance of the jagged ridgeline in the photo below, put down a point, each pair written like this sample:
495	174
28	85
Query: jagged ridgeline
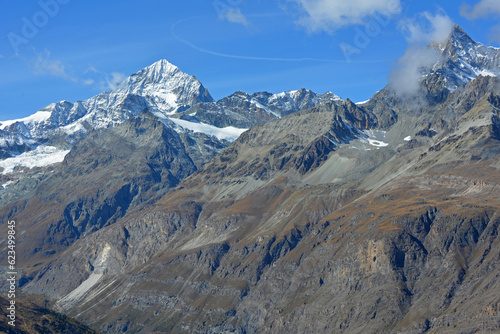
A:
154	208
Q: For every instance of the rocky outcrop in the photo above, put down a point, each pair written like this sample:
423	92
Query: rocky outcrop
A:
380	217
244	110
105	175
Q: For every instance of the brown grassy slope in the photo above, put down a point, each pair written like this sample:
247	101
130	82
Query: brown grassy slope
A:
34	319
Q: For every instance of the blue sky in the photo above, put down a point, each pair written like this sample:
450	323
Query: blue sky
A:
54	50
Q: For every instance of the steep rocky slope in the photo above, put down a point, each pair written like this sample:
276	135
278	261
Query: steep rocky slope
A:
105	175
252	246
379	217
244	110
30	148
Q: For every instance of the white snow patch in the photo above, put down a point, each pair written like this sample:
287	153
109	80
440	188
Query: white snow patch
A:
486	73
408	138
170	98
39	157
229	133
266	109
375	138
362	102
377	143
8	183
38	117
73	127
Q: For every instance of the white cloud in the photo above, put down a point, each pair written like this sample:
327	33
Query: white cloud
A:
481	9
105	80
114	79
329	15
405	77
427	28
234	15
496	33
424	29
91	69
44	65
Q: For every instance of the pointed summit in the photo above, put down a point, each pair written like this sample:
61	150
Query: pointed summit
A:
462	59
166	87
159	71
458	33
457	44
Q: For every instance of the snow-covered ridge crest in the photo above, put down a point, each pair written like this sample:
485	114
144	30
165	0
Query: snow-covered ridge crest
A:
165	87
289	101
161	88
463	59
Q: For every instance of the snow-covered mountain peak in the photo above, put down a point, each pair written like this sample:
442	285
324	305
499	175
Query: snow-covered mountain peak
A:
162	89
458	38
165	87
160	72
290	101
462	59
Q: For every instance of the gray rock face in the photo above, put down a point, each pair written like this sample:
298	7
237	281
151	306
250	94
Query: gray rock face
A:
243	110
463	59
373	218
161	87
106	174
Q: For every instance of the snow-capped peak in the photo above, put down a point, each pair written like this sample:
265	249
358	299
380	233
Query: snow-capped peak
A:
161	87
463	58
157	73
290	101
165	87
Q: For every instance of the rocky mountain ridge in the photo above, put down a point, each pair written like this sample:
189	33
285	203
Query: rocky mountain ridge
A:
343	217
160	88
243	110
30	147
462	59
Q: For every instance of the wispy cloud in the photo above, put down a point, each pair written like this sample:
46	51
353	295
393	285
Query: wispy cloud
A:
114	79
427	28
330	15
418	58
234	15
257	58
405	77
43	64
104	80
91	69
496	33
88	82
482	9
